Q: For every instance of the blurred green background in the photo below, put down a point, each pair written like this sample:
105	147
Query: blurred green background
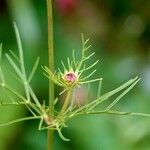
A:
119	31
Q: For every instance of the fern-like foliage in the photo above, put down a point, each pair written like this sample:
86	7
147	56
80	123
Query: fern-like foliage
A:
73	76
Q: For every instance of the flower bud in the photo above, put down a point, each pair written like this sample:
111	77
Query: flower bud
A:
70	77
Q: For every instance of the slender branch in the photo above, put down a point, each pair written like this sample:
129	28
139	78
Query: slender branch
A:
61	135
121	95
51	67
19	120
22	66
3	103
67	100
118	113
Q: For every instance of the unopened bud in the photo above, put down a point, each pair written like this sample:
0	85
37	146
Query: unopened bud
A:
70	77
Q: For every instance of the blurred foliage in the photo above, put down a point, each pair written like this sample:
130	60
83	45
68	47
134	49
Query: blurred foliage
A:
120	34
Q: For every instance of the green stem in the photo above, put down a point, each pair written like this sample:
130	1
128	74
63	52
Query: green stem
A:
51	67
67	100
19	120
113	112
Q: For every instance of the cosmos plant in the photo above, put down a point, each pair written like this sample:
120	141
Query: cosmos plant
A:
74	75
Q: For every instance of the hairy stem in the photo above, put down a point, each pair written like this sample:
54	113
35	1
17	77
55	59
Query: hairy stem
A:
51	67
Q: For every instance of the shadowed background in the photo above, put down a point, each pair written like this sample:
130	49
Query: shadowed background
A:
119	32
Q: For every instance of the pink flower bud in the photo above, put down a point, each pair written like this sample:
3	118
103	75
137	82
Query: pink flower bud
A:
70	77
